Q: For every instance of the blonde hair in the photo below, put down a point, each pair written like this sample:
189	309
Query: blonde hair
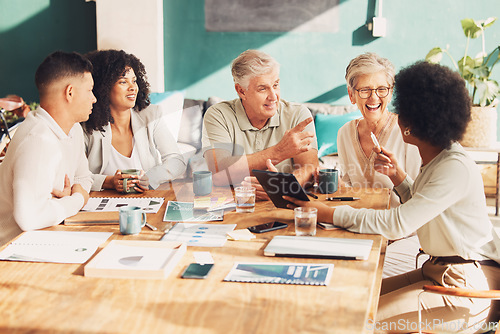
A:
368	63
251	63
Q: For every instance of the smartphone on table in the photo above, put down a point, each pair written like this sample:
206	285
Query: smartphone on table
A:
197	270
267	227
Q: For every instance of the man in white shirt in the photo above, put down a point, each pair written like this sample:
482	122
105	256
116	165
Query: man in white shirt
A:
44	177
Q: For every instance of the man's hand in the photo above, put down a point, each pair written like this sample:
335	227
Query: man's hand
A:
295	141
251	181
77	188
66	190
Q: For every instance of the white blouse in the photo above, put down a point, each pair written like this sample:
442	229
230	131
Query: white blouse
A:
357	169
119	161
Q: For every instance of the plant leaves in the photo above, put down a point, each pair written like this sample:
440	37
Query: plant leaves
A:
482	72
465	70
435	55
493	57
489	21
487	90
471	28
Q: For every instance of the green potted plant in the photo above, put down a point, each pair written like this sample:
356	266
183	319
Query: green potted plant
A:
484	90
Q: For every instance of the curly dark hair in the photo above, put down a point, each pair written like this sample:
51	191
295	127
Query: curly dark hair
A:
108	67
433	102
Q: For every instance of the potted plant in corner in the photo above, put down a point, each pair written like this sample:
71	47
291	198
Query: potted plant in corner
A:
482	129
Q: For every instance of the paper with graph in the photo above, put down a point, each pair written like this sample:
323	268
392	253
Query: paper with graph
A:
108	204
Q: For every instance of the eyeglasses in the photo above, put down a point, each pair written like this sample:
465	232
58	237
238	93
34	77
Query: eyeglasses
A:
365	93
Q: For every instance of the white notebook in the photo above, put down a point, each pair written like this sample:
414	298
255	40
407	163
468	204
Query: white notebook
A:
319	247
54	246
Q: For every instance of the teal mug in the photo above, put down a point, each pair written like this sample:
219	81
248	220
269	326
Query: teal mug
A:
129	188
202	183
132	219
328	180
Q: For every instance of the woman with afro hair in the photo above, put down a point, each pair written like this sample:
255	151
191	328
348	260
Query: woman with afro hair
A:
445	204
124	130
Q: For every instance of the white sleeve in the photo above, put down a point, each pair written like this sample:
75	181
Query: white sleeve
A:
446	185
34	174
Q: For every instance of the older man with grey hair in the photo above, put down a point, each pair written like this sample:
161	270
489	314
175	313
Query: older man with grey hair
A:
258	130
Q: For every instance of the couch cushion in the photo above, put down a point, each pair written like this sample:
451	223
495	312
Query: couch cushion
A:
327	127
191	122
171	103
329	109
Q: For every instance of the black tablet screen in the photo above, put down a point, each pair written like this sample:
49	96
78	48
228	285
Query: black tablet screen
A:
278	185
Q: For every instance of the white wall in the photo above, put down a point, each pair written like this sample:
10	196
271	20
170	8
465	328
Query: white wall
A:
135	26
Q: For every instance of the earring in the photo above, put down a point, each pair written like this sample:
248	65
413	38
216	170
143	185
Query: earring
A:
407	132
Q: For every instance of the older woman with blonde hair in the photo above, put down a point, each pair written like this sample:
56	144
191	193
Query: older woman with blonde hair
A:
370	80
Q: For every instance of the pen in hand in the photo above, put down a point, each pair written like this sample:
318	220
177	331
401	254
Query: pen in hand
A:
376	143
342	198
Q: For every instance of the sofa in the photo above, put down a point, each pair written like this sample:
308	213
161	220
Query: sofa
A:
185	119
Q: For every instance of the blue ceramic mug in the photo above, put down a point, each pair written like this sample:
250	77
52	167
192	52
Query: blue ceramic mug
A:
202	183
132	219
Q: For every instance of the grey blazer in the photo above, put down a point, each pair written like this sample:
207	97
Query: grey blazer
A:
160	157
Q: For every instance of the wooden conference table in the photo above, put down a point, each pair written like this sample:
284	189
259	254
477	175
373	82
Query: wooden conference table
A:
57	298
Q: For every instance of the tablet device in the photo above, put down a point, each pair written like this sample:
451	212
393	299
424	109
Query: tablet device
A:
278	185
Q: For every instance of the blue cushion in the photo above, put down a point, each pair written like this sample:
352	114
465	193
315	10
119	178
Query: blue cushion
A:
327	127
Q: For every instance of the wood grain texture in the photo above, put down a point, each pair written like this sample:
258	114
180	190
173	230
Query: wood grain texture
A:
57	298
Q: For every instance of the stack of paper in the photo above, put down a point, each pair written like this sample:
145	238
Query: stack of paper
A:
136	259
54	246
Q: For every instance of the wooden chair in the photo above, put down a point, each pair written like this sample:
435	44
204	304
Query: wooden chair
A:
494	295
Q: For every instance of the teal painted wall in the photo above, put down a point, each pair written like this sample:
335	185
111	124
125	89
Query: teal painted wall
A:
197	61
313	64
31	29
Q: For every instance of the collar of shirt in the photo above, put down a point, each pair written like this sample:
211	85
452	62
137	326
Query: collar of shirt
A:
52	124
244	122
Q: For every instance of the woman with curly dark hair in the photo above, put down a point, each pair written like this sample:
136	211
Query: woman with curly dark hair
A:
124	131
445	205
